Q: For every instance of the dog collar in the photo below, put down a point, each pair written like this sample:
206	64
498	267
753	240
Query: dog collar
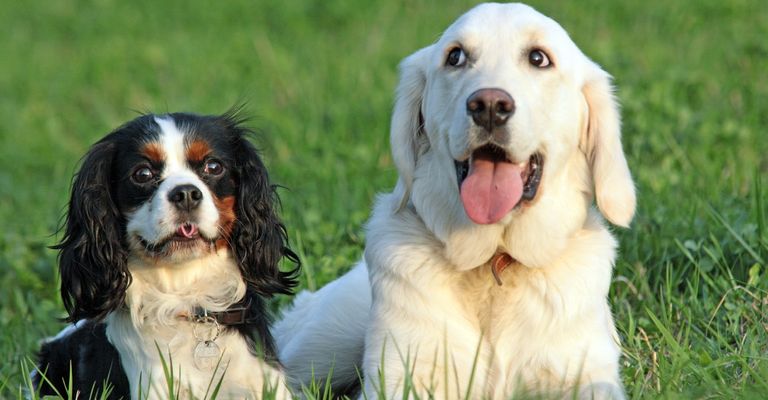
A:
236	314
500	262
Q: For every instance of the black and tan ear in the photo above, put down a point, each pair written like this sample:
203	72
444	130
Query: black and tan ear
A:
259	240
92	254
406	132
601	142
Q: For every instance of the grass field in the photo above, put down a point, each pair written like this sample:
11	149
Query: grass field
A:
691	288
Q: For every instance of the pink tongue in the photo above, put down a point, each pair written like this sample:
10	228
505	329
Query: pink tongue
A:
491	190
187	230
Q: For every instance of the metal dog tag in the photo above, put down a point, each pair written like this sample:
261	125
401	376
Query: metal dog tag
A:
206	355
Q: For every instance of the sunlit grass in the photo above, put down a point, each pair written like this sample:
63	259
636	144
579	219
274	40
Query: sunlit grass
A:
689	294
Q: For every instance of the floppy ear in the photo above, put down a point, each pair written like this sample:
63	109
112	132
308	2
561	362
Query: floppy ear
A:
92	254
601	142
259	237
406	132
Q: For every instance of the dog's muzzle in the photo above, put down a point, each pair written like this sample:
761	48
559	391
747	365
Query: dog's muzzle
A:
490	185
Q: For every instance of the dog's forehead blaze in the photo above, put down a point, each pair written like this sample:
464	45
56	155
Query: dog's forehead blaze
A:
197	150
154	152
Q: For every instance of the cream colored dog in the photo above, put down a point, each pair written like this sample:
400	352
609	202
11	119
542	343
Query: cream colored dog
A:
488	266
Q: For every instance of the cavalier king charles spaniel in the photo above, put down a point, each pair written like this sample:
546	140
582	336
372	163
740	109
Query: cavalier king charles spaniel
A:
171	248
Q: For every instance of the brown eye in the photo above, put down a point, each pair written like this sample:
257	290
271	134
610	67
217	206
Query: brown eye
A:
213	167
539	59
456	57
143	175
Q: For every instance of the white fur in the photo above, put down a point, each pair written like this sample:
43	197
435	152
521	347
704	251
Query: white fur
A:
163	290
436	313
310	342
158	295
156	219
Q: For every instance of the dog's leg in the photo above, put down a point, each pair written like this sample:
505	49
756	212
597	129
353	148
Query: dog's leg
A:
423	347
322	334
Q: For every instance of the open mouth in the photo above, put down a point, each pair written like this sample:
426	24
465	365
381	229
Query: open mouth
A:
186	236
491	185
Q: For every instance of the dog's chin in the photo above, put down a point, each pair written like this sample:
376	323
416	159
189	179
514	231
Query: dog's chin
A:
176	247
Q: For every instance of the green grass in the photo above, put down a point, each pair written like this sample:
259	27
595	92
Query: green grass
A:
690	296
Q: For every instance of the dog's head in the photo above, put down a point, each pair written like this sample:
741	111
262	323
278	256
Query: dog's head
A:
505	129
164	190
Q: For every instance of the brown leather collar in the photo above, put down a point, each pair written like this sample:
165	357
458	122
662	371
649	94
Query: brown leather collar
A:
236	314
500	262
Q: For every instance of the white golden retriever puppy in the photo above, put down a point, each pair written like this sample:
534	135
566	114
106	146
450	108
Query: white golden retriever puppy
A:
487	269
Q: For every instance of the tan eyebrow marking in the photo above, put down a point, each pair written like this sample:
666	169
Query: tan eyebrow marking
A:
154	152
197	151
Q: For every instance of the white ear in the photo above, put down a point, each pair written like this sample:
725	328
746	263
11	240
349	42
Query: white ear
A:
614	189
406	121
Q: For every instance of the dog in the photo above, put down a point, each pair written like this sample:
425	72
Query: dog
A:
170	250
486	269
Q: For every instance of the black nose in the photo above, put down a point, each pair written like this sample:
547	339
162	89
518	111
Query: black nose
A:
490	108
185	197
